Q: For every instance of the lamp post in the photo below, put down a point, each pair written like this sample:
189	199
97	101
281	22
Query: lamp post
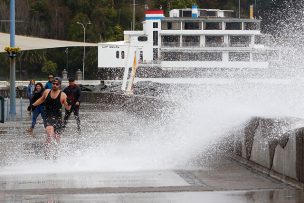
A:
67	59
239	8
83	59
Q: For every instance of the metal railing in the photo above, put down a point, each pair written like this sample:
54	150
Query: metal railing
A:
216	44
239	44
207	44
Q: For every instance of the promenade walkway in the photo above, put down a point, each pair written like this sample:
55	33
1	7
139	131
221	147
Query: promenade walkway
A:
95	177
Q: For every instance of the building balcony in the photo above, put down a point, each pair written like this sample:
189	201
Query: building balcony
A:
216	44
239	44
170	44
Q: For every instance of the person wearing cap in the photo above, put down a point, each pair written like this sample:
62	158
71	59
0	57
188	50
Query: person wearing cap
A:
73	93
53	100
48	85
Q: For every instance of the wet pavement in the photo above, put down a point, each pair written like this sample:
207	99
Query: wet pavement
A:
25	176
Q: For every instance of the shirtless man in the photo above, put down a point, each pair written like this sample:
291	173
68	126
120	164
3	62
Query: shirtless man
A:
53	99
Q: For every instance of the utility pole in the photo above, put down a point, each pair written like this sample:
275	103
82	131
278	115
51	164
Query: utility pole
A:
12	111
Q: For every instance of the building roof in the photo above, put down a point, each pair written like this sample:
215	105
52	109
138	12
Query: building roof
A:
32	43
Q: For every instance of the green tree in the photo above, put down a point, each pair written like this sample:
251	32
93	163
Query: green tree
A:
49	67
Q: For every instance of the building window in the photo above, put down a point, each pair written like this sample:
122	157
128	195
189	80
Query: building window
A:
212	26
170	41
169	25
239	56
233	26
212	56
214	41
155	24
191	41
122	54
195	56
117	54
185	13
141	56
239	41
251	26
175	25
192	26
155	38
142	38
155	54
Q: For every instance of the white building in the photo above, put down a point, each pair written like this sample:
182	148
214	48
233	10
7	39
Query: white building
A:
189	39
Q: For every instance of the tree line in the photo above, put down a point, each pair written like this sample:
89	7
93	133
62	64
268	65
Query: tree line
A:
57	19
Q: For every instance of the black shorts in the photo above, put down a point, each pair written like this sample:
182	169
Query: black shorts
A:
56	122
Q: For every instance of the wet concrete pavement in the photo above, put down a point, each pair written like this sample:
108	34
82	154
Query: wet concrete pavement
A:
24	179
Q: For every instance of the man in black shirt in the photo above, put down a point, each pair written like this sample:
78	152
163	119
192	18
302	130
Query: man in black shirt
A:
53	99
73	94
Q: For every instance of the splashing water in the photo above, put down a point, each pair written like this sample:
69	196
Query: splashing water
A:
205	114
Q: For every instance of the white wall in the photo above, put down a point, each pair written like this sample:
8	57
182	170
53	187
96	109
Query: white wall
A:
107	55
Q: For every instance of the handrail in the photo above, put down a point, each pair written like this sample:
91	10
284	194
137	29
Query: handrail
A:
1	109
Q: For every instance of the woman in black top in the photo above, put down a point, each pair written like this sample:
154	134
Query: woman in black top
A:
38	91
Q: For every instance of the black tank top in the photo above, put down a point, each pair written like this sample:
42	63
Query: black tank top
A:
53	106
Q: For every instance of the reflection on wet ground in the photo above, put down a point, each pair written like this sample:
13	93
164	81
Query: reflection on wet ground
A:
266	196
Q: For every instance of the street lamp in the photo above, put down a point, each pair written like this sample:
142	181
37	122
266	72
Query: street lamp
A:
67	59
84	27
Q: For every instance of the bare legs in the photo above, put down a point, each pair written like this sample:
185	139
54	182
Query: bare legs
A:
52	142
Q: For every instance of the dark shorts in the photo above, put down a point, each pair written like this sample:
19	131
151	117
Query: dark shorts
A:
56	122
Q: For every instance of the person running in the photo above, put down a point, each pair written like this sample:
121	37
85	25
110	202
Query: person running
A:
48	85
54	99
73	93
38	91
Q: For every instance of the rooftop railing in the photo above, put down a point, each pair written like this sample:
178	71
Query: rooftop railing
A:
208	44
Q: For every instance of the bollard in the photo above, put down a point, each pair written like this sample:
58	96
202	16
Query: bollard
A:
21	114
1	110
7	108
64	74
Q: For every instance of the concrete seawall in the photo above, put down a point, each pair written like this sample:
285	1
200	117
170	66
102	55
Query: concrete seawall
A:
273	146
138	104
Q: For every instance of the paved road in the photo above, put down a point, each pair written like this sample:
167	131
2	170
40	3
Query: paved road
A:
99	165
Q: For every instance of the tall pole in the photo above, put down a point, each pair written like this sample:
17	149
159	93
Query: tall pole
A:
84	50
255	9
12	62
84	47
67	59
133	15
239	8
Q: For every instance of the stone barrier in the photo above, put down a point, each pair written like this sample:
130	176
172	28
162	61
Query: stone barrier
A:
138	104
276	146
20	92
